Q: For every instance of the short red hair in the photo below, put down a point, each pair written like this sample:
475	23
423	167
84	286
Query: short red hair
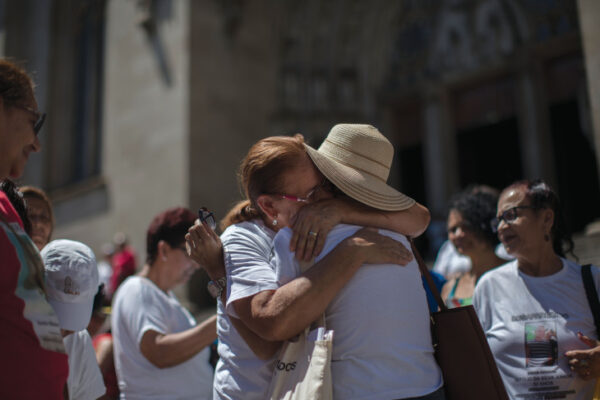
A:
171	226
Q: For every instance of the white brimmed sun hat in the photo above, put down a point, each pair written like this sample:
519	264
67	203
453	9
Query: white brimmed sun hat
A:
71	282
357	159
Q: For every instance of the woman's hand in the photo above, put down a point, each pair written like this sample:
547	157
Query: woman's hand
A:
311	226
204	247
380	249
586	363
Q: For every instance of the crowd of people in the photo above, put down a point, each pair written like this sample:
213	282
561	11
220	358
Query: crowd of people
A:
319	234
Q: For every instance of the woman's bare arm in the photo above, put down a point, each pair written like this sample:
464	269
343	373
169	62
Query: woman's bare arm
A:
283	313
322	216
205	247
172	349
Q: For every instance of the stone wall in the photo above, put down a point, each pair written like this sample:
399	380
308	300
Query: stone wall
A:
146	124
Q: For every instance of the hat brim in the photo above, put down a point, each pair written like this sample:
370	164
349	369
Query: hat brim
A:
361	186
72	316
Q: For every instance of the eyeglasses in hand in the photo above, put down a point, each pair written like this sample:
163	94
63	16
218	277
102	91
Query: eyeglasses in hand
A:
206	216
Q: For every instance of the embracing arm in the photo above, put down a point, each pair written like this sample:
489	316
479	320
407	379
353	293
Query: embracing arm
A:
322	216
205	247
262	348
411	222
283	313
175	348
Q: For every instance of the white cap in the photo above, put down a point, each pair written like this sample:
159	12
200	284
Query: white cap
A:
71	282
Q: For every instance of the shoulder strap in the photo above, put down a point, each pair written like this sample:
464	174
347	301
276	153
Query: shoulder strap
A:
427	276
592	294
454	286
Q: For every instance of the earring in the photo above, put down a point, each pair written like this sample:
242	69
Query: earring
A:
274	222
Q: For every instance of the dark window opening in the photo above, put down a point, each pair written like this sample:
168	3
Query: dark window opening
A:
490	154
576	169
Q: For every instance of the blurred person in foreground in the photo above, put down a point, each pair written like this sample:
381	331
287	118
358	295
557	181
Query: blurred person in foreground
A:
160	352
33	360
471	233
105	265
122	261
534	309
71	283
283	188
39	212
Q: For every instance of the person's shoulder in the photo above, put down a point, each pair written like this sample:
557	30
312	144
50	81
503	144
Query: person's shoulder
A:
247	231
84	336
131	283
283	237
575	268
240	229
131	288
501	272
81	340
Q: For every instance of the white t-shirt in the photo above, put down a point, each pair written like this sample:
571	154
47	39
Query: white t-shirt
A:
247	250
530	322
85	380
450	262
382	344
104	273
140	306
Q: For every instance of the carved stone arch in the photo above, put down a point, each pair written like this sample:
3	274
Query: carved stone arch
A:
452	46
493	31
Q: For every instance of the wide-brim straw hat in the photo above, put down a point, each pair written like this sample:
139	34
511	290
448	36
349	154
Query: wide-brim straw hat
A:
357	160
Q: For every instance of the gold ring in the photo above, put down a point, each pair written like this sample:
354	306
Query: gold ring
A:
311	233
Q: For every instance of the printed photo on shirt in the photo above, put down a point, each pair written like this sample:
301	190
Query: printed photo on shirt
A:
541	344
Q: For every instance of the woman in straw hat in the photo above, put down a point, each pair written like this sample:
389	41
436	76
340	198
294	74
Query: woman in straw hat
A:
279	179
382	346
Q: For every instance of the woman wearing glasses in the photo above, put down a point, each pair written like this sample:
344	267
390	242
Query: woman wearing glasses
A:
470	231
33	361
534	309
279	180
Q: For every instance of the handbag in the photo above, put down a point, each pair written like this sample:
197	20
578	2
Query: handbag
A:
461	349
592	296
303	370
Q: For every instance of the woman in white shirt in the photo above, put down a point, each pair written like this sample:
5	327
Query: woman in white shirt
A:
279	180
534	310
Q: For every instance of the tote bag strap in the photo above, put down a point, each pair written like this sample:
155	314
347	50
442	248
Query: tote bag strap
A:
592	294
427	276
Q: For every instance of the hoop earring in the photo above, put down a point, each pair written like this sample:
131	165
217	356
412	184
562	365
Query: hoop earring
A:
274	222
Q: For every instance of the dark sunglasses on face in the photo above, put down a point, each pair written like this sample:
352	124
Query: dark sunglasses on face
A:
39	117
508	216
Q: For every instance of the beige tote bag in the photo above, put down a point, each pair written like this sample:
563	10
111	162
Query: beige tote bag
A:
303	370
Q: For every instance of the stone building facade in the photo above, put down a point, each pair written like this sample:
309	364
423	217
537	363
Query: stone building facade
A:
152	103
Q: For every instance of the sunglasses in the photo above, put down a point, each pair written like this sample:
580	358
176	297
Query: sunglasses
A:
310	197
39	117
508	216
